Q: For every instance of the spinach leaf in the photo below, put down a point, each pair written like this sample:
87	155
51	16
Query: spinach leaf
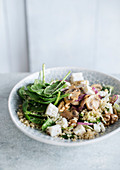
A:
108	87
63	85
50	89
47	123
55	87
22	93
34	119
32	96
25	106
39	108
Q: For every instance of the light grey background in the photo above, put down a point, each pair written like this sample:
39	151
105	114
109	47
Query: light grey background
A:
80	33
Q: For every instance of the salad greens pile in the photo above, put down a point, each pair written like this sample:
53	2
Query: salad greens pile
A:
36	97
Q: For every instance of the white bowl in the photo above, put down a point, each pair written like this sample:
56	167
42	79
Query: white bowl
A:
59	73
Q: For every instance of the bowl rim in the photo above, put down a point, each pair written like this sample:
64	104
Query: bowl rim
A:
53	142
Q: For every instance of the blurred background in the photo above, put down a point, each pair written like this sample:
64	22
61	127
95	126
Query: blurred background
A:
82	33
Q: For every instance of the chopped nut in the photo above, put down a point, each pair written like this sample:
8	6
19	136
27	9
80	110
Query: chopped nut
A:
110	118
67	106
114	118
107	118
73	122
115	111
61	106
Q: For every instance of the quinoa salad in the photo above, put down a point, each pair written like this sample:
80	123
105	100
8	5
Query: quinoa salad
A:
72	109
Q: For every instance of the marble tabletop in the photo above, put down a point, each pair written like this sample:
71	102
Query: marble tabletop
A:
19	152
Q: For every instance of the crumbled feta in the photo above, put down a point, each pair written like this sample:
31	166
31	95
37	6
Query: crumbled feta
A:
88	90
77	77
106	98
106	106
102	126
97	128
79	130
63	123
103	93
51	110
54	130
83	83
109	107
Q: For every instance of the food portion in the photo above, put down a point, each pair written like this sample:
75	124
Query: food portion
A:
68	110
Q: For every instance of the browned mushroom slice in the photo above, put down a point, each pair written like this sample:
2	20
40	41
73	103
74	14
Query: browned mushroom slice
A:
83	102
74	94
93	102
69	115
97	86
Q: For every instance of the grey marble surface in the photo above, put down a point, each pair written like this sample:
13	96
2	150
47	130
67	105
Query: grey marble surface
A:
19	152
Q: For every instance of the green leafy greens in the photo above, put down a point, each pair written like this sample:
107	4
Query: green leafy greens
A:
36	97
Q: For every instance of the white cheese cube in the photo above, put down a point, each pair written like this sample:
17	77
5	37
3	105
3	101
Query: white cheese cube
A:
83	83
103	93
54	130
106	99
51	110
97	128
76	77
63	122
102	126
79	130
88	90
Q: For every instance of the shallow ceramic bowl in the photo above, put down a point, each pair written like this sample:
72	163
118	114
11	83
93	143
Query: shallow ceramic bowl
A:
59	73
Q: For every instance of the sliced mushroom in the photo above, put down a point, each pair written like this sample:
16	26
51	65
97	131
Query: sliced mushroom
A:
83	102
74	94
69	115
97	86
93	102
